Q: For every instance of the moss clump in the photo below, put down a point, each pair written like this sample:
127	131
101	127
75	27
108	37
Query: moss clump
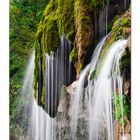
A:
93	74
122	27
51	36
65	13
73	54
47	33
84	31
71	36
125	61
126	22
117	110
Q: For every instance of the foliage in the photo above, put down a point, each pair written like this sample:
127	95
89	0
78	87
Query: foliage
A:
121	27
125	61
126	107
93	74
73	54
24	18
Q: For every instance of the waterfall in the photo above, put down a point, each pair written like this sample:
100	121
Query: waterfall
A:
58	72
40	125
27	95
88	112
92	106
76	103
118	85
101	98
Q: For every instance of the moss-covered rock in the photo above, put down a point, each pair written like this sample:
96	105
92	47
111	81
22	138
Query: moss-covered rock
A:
126	59
65	13
84	31
47	33
72	18
122	27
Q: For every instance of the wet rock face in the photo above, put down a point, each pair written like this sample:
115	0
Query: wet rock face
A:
63	116
126	87
53	71
71	89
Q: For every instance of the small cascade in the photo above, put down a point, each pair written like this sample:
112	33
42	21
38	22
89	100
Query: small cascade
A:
103	20
92	105
118	86
101	99
58	72
77	106
27	96
40	125
27	90
44	124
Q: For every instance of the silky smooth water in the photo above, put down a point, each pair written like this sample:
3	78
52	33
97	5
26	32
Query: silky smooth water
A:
98	113
91	107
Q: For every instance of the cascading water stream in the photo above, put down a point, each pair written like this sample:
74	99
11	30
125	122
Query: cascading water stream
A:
77	99
58	72
118	85
98	116
101	112
91	107
41	125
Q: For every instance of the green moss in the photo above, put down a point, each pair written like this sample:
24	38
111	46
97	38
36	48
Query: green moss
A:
125	61
71	36
93	74
84	32
47	33
121	27
79	68
126	22
117	110
83	17
73	54
65	13
52	40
